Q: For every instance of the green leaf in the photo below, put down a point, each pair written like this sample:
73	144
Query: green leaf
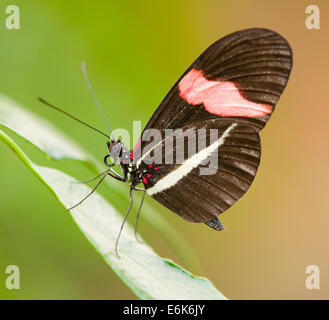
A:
38	132
146	273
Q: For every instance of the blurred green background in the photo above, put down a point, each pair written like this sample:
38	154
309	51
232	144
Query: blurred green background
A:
135	51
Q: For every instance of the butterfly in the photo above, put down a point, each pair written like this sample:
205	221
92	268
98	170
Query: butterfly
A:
232	89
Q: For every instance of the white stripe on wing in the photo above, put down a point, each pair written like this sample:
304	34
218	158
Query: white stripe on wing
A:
188	165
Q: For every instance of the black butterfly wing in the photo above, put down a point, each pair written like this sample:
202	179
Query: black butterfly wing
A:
256	61
200	191
240	76
234	85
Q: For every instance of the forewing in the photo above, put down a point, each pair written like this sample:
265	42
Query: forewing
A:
240	73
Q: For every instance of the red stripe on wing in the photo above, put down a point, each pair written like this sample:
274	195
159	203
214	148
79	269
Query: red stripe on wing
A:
219	97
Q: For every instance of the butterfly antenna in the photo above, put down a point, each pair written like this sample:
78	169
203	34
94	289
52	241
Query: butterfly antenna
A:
85	75
73	117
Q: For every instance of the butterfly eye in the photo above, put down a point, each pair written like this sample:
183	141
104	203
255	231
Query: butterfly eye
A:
109	158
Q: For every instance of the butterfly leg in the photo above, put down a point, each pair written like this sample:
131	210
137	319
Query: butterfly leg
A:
93	178
115	175
91	192
124	221
138	215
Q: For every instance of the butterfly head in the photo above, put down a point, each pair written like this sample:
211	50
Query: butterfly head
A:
117	154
